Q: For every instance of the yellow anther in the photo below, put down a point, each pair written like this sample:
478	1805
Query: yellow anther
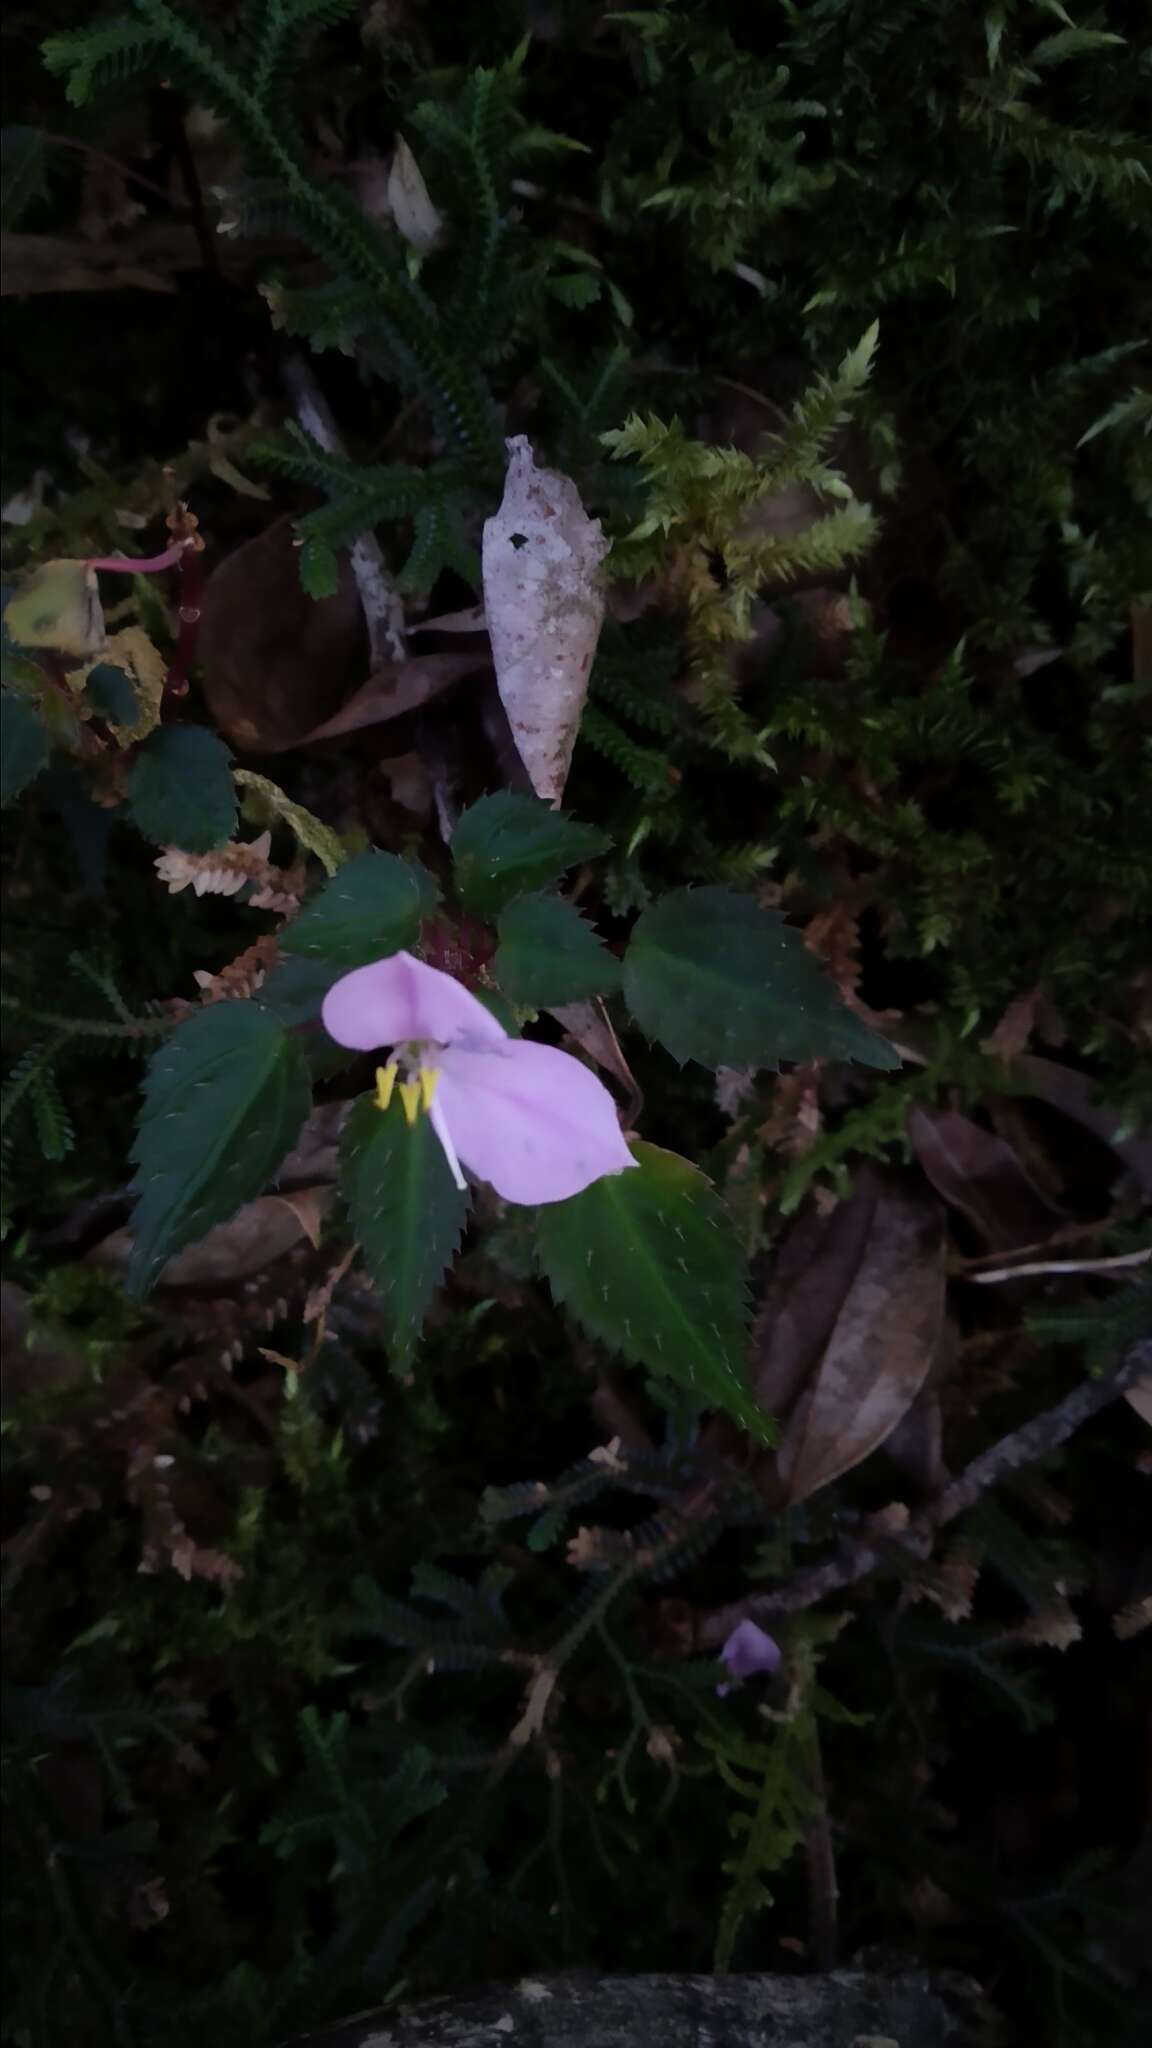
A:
428	1079
385	1083
410	1097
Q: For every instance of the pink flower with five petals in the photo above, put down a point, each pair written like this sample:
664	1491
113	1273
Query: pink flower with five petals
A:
527	1118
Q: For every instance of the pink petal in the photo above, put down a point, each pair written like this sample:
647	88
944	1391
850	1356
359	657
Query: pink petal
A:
530	1120
399	999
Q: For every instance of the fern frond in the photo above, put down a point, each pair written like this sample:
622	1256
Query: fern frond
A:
53	1123
825	407
271	31
93	59
646	770
326	218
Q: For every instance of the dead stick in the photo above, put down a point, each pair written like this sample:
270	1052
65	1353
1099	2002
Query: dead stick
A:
820	1856
381	604
1023	1447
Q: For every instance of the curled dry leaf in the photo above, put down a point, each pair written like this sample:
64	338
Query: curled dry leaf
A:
982	1177
1074	1095
470	620
257	1236
1140	1398
849	1330
544	599
277	662
58	607
590	1026
410	203
316	1153
393	689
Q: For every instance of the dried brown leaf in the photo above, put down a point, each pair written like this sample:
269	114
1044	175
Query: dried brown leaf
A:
590	1026
409	201
1009	1037
983	1178
227	870
1074	1095
1139	1397
544	600
1133	1619
242	976
393	689
276	661
255	1237
849	1330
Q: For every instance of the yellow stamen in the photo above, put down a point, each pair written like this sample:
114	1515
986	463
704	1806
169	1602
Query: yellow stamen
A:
385	1083
428	1079
410	1096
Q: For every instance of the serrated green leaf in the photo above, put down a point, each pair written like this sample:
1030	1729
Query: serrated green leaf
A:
717	979
181	792
648	1262
406	1210
509	845
373	906
295	989
23	745
548	954
224	1099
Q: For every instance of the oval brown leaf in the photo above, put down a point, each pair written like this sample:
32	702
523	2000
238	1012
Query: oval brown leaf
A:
276	661
855	1330
984	1178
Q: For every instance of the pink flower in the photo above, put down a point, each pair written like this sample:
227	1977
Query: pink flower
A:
747	1651
529	1119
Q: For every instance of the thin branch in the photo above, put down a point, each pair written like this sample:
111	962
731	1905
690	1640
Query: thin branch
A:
1116	1264
381	603
820	1856
1025	1446
112	163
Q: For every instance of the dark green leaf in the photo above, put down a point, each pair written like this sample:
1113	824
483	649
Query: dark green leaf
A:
295	989
224	1100
507	845
719	980
372	907
23	745
548	954
181	792
406	1211
319	568
112	693
648	1262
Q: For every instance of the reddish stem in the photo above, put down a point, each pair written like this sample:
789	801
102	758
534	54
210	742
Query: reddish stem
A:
188	613
141	565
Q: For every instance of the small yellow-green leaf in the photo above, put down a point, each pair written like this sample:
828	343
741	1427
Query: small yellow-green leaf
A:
58	607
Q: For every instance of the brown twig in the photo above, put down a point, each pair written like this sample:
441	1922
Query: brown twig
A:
112	163
381	604
820	1856
1023	1447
